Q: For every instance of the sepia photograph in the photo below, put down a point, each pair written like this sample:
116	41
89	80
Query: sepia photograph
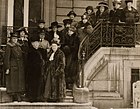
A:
69	54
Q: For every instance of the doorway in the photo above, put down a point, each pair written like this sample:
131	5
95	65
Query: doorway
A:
135	76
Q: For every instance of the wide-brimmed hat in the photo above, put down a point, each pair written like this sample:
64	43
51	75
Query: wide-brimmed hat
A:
41	21
89	8
67	21
71	13
14	34
103	3
22	29
55	24
126	1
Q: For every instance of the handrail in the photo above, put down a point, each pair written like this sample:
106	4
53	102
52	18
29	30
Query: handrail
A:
106	34
86	38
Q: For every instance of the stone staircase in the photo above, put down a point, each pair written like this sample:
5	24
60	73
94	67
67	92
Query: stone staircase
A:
5	103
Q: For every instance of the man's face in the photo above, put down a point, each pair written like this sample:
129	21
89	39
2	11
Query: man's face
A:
41	25
35	44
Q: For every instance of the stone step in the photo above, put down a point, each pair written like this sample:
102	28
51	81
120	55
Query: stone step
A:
68	99
69	92
27	105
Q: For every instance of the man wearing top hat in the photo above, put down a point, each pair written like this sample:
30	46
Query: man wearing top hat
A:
116	15
54	34
131	14
72	16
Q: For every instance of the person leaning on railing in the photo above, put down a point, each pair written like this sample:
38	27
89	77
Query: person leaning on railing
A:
130	13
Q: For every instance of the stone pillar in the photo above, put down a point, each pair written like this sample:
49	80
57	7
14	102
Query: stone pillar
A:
49	11
3	16
26	13
81	95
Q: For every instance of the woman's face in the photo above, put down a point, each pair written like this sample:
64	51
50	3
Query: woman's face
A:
117	6
89	11
22	34
14	39
129	4
41	25
71	16
102	9
70	32
42	36
54	47
35	44
54	28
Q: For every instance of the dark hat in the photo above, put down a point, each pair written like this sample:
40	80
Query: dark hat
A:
126	1
117	2
67	21
71	13
22	29
89	8
55	24
34	38
55	42
41	21
13	35
103	3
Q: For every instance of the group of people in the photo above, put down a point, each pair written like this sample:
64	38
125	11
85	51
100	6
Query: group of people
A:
41	65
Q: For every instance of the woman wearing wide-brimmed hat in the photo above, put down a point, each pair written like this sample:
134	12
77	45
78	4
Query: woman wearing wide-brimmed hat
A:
102	12
54	33
13	63
24	45
116	15
131	14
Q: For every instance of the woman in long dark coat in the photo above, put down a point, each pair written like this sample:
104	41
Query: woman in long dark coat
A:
131	14
55	76
15	81
35	68
70	49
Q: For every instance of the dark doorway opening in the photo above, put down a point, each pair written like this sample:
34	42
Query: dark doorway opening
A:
135	76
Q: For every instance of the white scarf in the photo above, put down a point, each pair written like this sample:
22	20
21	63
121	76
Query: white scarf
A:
52	57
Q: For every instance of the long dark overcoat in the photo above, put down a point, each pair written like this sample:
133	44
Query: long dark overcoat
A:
131	16
55	77
35	63
15	80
